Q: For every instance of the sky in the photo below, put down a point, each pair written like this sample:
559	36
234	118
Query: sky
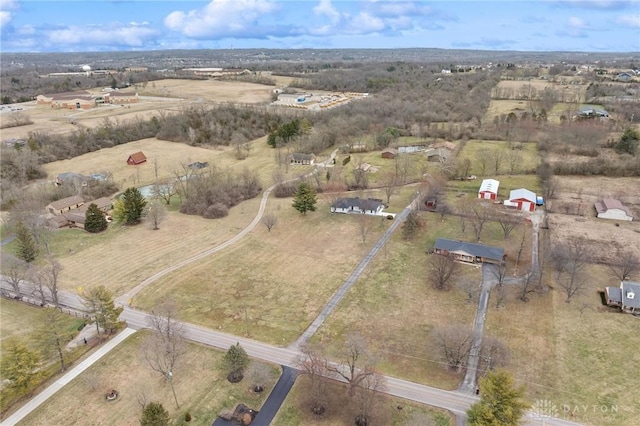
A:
125	25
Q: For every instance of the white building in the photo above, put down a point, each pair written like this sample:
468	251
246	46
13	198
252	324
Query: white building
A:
609	208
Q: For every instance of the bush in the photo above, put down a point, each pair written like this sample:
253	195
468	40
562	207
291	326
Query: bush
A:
285	190
216	211
187	417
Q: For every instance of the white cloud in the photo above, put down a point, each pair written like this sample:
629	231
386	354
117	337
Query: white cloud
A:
575	22
220	18
6	6
364	23
5	18
325	8
632	21
132	36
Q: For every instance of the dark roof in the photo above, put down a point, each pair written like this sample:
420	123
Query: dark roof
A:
198	165
361	203
614	294
297	156
67	202
488	252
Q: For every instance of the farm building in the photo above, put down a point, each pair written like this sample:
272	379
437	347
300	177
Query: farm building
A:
372	206
469	252
389	153
136	158
626	297
612	209
522	199
301	159
489	189
64	205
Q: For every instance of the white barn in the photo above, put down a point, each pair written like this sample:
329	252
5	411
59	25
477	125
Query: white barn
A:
489	189
610	208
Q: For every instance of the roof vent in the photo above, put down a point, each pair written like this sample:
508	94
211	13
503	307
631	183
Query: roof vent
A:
630	295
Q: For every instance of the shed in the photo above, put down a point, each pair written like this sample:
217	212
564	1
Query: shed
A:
523	199
389	153
489	189
610	208
136	158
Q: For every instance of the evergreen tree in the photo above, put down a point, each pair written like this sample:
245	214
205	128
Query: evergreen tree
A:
305	199
412	224
133	204
628	142
154	414
236	360
100	303
20	365
500	404
27	249
94	219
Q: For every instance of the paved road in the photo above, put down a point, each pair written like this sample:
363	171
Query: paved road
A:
39	399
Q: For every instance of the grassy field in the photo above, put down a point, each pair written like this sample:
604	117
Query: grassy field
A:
19	320
528	157
200	383
270	284
209	90
295	410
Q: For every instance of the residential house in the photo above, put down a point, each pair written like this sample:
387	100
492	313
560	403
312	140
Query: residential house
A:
136	158
75	219
64	205
624	76
446	145
626	297
610	208
371	206
301	159
522	199
489	189
438	154
104	204
389	153
469	252
590	112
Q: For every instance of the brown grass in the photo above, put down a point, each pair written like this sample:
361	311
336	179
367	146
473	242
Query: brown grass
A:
209	90
200	384
275	277
296	409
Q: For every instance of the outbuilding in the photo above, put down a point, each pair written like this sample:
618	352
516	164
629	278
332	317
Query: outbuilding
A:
389	153
522	199
136	158
489	189
610	208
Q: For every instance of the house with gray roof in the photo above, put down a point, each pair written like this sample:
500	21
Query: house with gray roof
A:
301	159
466	252
371	206
626	297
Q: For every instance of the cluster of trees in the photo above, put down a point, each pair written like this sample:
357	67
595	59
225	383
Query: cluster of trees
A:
501	401
213	193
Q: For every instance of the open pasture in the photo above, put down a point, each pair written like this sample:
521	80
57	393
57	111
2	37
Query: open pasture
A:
209	90
512	158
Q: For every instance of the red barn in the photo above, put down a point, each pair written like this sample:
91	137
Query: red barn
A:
136	158
522	199
489	189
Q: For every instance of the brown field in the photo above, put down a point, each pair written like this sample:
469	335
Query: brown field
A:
167	95
563	87
576	196
270	285
169	157
82	401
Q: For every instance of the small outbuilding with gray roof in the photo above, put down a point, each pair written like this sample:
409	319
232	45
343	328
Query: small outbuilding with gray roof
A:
626	297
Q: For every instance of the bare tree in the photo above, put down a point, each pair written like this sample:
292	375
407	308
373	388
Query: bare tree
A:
484	159
526	286
570	259
480	214
14	272
50	273
469	287
164	190
497	158
453	343
514	158
521	248
165	347
442	269
312	363
389	184
156	214
356	362
361	180
363	226
507	223
624	265
493	354
269	220
371	387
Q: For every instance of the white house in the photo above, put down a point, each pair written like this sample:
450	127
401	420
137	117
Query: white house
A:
489	189
609	208
371	206
522	199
